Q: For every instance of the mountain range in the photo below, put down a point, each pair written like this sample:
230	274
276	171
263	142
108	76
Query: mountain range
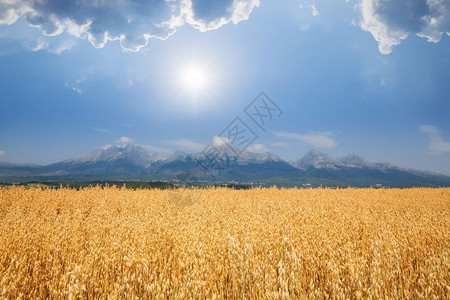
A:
223	165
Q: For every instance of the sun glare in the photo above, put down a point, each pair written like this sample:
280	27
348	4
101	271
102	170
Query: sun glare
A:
194	78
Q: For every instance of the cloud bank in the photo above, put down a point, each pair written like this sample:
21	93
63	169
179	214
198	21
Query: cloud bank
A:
130	22
437	143
391	21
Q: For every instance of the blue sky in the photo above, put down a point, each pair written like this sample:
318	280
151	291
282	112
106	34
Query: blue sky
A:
365	76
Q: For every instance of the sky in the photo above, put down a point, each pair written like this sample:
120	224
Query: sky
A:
366	77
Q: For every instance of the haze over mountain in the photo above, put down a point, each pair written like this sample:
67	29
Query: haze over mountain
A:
133	162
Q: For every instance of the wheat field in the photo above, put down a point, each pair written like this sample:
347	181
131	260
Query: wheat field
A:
116	243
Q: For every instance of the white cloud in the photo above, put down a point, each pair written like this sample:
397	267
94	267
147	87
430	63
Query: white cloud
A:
390	22
125	141
61	47
314	10
190	13
242	10
437	144
308	15
2	153
220	141
131	23
78	90
315	139
77	85
31	39
258	148
40	46
185	144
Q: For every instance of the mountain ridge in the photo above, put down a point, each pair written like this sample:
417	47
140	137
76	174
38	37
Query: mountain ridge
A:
133	162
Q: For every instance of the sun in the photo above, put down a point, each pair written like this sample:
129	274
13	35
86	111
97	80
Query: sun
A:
194	78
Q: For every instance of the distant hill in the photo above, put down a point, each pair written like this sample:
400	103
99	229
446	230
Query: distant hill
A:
133	162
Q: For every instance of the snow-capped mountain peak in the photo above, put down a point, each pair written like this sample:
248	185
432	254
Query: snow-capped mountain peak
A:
354	160
178	154
318	160
132	153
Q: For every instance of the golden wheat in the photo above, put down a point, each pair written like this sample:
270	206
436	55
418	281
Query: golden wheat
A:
220	243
